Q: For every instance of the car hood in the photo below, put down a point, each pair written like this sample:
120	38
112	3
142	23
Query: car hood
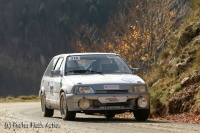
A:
105	79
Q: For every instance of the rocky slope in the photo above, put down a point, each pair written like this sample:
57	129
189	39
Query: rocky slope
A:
175	78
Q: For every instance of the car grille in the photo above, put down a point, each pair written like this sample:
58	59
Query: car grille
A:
111	91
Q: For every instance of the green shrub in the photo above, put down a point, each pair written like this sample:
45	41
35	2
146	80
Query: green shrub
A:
194	4
177	87
164	96
174	39
155	95
197	56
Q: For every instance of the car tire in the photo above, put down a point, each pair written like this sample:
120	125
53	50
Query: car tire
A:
66	115
109	115
141	114
46	112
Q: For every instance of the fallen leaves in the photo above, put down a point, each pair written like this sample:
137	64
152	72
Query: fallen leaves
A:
193	118
183	118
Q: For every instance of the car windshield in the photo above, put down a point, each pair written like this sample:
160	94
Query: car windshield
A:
96	64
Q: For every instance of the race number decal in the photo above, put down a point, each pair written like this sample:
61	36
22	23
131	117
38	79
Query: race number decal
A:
74	58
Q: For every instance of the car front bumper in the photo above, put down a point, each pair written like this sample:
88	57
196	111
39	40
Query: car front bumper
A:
95	104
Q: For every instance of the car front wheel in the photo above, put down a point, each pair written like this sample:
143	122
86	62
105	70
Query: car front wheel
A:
46	112
141	114
66	115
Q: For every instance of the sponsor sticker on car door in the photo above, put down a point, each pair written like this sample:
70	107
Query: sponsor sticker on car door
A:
52	86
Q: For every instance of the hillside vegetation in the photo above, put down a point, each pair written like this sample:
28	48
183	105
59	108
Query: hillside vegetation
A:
174	80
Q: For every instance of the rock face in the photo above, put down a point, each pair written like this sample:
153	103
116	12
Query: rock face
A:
185	81
195	78
190	32
157	82
186	36
184	64
184	100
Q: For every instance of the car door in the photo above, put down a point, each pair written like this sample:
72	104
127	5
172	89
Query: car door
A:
46	79
55	84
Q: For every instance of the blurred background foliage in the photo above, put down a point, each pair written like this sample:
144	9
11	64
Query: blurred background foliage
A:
32	32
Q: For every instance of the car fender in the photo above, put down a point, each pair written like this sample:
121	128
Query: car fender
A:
67	86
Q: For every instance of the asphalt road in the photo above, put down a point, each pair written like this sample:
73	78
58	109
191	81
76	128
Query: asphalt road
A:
27	117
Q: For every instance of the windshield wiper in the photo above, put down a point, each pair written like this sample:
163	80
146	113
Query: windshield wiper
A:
84	71
96	72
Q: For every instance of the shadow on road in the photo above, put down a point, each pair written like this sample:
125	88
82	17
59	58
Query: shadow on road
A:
101	119
115	120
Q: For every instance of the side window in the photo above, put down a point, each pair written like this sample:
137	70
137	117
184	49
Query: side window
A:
50	67
59	64
54	61
61	67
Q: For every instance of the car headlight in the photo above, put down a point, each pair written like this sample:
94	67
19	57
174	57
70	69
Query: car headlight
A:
84	90
84	103
139	88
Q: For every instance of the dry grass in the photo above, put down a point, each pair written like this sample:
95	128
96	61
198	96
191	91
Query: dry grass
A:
31	98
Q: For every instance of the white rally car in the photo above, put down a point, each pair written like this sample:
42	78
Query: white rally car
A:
92	83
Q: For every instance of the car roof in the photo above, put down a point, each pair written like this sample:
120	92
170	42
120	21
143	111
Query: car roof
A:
87	53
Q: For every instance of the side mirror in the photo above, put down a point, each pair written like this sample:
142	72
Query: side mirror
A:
134	70
56	72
